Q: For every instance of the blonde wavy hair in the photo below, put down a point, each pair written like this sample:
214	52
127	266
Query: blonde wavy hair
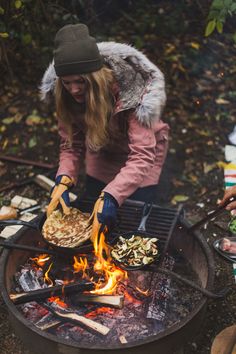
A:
99	106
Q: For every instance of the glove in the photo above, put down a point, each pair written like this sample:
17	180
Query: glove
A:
60	194
108	211
104	213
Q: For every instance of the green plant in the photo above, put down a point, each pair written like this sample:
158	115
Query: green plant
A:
232	225
218	13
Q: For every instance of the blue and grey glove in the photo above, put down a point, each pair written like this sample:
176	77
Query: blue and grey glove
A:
107	217
60	194
104	214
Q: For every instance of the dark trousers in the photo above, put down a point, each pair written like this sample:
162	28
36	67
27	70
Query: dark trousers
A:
93	188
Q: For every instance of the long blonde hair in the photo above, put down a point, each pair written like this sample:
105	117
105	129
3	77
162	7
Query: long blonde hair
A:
99	105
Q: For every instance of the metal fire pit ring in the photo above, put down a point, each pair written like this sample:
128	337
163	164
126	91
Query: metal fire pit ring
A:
164	342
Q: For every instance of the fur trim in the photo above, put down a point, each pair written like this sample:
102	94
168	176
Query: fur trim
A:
141	83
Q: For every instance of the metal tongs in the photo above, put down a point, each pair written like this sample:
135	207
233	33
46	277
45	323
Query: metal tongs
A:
211	214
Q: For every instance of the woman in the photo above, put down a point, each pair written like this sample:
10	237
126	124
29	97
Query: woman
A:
109	98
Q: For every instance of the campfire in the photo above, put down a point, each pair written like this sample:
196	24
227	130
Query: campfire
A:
90	302
89	295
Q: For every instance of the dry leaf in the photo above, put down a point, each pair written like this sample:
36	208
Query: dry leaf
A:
179	198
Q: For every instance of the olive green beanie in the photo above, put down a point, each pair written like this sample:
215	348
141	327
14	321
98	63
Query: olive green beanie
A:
75	51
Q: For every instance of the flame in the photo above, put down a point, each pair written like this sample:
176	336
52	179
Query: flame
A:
104	266
80	265
98	311
143	292
58	301
41	259
132	299
46	276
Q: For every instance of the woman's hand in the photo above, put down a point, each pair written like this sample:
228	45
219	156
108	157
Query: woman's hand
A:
104	213
60	195
230	192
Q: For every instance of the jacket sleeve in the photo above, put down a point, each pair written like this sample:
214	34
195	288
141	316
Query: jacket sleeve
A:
70	153
141	158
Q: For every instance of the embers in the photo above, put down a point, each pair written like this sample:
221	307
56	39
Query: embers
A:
152	303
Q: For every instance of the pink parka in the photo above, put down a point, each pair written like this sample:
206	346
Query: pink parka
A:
130	160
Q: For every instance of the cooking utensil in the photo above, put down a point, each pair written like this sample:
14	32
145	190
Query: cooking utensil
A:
37	224
141	231
212	214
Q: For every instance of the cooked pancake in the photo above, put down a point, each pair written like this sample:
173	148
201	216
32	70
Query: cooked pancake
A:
67	230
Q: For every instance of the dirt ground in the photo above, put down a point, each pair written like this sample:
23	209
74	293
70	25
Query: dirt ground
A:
201	113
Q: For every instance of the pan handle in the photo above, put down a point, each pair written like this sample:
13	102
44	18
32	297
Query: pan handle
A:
147	208
11	222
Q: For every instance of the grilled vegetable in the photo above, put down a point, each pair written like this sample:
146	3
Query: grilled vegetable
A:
135	251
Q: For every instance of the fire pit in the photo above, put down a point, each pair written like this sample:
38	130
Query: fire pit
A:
158	313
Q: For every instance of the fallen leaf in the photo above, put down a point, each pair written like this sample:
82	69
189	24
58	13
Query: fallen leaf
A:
12	110
34	119
5	144
179	198
208	167
193	178
177	183
32	142
221	101
195	45
16	119
8	120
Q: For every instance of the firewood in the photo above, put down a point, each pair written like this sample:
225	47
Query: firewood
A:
45	293
47	326
116	301
20	202
75	318
7	212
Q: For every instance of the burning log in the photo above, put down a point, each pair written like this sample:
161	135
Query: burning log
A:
46	326
44	293
75	318
116	301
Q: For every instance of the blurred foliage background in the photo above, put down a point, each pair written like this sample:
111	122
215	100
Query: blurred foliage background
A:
28	27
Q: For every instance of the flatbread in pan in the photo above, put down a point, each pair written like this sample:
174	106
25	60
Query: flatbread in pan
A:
67	230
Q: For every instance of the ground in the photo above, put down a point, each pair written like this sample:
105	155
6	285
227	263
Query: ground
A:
201	113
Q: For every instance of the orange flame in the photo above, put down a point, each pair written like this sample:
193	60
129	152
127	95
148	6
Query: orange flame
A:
105	266
41	259
132	299
46	276
144	292
58	301
80	265
98	311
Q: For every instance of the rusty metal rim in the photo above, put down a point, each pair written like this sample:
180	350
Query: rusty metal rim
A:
15	312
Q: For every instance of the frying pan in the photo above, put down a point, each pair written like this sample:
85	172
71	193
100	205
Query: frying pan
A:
38	225
141	231
230	256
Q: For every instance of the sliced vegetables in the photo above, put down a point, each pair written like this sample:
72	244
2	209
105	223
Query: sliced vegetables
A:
135	251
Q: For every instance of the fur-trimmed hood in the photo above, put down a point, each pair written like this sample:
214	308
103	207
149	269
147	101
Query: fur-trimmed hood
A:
141	83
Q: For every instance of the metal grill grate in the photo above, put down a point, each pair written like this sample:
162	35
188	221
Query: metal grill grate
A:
160	223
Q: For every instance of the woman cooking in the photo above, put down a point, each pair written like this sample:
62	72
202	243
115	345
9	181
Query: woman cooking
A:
109	98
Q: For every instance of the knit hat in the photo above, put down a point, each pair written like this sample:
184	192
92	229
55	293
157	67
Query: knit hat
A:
75	51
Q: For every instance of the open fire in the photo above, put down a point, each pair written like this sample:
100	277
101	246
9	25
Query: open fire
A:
83	303
118	305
